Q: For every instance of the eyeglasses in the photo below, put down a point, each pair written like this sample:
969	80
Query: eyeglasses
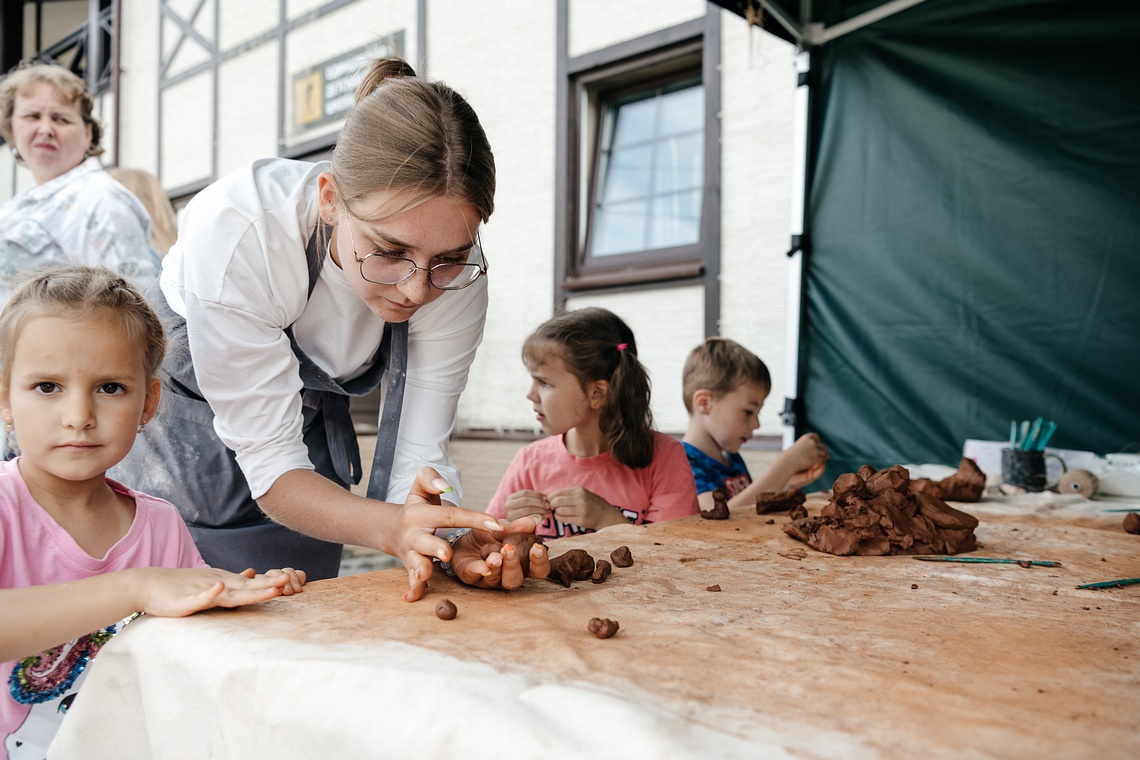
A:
387	269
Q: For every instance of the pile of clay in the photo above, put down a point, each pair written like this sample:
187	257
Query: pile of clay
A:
966	484
876	513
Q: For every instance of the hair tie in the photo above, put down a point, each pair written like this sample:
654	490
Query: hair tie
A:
622	346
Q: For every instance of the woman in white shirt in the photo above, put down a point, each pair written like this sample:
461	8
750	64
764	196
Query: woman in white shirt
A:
76	213
298	285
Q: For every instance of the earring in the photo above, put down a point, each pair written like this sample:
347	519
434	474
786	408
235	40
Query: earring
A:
141	426
9	426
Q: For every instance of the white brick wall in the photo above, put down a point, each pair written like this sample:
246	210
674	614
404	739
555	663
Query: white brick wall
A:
597	24
758	80
501	55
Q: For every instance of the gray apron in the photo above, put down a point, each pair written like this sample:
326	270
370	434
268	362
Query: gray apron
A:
180	458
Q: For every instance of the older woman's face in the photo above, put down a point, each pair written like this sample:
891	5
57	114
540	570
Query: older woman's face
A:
50	133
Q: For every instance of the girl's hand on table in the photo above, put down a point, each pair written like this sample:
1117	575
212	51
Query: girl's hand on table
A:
177	592
522	504
578	506
502	567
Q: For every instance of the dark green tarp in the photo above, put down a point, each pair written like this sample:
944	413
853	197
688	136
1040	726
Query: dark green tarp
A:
974	228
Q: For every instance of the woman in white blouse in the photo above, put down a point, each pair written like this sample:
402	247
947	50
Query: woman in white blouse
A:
299	285
76	213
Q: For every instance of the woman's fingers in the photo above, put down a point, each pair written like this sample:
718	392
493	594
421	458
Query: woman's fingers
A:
419	570
539	561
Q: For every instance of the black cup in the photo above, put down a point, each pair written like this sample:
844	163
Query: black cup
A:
1025	469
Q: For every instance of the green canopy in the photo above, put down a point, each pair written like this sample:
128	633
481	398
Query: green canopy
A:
972	224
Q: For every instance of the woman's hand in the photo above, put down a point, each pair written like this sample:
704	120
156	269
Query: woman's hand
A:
413	537
177	592
577	506
502	567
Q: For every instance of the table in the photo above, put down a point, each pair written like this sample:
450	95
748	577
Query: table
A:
800	654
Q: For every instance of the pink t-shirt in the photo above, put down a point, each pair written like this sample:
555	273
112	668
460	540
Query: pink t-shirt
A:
35	550
662	491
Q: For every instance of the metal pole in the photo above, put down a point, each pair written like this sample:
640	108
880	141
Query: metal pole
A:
792	402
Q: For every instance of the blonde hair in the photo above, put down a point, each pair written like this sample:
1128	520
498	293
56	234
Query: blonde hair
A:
410	135
73	89
80	291
720	366
148	189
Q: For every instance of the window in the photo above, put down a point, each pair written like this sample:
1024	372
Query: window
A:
650	173
641	154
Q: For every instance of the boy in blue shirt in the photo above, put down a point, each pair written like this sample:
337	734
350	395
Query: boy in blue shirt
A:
725	385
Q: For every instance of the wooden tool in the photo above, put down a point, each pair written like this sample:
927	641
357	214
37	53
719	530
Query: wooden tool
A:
1080	482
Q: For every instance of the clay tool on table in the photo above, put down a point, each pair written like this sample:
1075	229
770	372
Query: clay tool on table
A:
994	561
1031	436
1112	584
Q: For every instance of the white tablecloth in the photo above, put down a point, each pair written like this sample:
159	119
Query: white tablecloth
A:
800	654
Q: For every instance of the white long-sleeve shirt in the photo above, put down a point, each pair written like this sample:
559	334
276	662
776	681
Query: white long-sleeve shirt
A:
238	274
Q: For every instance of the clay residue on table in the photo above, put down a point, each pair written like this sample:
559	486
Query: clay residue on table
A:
876	513
979	661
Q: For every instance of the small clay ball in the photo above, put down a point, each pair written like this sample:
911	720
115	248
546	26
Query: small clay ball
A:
602	571
1132	523
621	557
603	628
714	587
446	610
1025	562
914	585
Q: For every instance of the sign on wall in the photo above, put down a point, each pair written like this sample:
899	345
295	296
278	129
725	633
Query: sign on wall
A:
324	93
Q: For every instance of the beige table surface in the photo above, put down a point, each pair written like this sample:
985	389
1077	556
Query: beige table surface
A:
800	654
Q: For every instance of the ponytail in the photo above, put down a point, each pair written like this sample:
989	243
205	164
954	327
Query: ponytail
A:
626	418
380	71
595	344
411	136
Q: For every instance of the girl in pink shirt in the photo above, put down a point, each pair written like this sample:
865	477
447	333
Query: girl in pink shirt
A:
80	554
603	463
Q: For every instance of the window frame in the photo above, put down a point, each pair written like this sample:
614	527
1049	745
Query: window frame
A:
596	78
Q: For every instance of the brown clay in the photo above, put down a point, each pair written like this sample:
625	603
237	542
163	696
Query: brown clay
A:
603	628
875	513
720	507
621	557
574	565
1132	523
778	501
714	587
446	610
522	543
965	485
602	571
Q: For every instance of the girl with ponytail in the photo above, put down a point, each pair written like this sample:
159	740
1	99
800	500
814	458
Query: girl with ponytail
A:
603	463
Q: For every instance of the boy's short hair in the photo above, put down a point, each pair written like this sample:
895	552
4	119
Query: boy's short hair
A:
720	365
